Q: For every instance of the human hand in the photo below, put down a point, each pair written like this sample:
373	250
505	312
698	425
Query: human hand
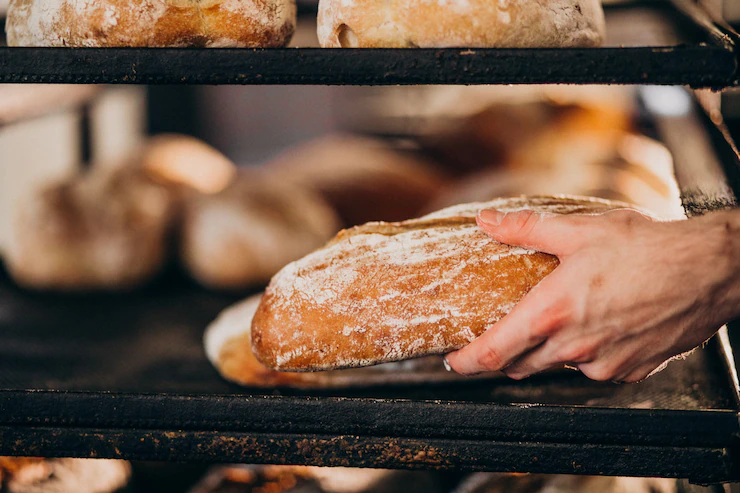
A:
629	294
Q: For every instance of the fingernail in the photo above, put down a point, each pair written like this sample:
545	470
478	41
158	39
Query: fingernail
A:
447	364
491	217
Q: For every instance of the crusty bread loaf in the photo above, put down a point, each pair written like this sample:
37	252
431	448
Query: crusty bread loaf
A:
460	23
153	23
386	292
106	229
228	345
363	179
243	235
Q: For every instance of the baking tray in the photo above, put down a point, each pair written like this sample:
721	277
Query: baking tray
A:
695	51
125	376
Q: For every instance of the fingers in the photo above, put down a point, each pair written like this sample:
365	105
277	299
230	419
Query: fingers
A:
553	354
524	328
549	233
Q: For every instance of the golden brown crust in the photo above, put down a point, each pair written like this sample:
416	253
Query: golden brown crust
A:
228	346
460	23
152	23
389	292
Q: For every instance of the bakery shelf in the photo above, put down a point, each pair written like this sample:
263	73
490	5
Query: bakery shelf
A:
125	376
697	52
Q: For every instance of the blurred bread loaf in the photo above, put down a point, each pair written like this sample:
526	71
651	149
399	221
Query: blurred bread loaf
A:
386	292
469	23
243	235
184	161
228	345
37	475
151	23
107	229
362	178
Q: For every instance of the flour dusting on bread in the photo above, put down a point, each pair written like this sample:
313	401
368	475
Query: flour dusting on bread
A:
386	292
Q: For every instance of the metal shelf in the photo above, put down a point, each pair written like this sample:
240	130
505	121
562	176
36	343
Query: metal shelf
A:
702	56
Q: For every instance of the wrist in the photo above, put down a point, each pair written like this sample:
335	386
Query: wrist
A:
725	236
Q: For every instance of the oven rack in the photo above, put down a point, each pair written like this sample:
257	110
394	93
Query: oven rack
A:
703	54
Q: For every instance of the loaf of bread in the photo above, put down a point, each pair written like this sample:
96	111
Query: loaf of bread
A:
386	292
228	345
151	23
460	23
37	475
243	235
181	160
107	229
363	179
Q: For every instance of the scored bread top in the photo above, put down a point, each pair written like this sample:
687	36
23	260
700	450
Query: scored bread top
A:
385	292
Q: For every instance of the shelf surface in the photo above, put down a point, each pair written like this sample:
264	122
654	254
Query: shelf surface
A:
677	52
125	376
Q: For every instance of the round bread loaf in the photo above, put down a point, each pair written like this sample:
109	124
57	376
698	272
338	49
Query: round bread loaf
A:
228	345
153	23
460	23
363	179
184	161
386	292
107	229
243	235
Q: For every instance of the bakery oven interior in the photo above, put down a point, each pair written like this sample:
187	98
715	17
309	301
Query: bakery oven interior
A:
124	375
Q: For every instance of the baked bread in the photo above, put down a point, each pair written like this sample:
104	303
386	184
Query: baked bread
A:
105	230
456	23
309	479
243	235
386	292
184	161
37	475
151	23
362	178
228	345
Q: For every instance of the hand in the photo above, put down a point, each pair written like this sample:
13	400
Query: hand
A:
629	294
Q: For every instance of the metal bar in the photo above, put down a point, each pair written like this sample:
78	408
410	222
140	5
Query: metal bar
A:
693	65
373	417
702	465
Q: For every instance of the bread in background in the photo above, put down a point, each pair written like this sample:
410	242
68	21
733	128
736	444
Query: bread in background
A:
151	23
362	178
181	160
533	135
635	169
243	235
104	230
37	475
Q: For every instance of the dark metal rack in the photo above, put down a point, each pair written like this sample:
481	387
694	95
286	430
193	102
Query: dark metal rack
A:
125	376
705	57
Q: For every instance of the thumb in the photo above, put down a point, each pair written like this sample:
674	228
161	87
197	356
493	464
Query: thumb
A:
555	234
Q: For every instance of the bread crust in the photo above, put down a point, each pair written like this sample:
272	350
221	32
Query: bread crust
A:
151	23
228	345
386	292
460	23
